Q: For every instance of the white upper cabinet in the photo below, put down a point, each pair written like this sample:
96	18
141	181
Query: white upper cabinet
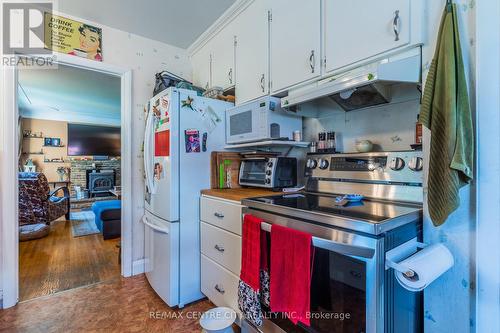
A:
201	67
223	51
295	39
359	29
251	28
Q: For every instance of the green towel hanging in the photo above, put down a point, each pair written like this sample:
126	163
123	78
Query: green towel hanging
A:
446	112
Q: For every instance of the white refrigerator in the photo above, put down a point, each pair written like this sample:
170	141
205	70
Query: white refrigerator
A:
181	131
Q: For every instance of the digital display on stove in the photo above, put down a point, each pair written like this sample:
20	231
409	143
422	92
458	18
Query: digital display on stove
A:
357	164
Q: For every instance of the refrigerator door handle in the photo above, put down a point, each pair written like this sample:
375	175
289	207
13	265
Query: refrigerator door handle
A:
154	227
147	154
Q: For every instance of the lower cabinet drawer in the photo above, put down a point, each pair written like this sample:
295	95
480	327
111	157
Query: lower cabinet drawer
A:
222	247
219	284
221	214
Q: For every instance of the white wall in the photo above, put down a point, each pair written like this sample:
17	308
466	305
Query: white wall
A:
449	303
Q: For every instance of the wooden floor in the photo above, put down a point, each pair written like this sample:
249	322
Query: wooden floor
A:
121	305
60	262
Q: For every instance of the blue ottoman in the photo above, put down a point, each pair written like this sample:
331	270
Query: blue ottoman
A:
108	217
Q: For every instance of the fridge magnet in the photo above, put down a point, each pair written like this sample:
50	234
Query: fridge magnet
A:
192	140
162	143
164	102
204	142
188	103
210	118
158	171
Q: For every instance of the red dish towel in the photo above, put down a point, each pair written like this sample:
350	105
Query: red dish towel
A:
250	251
291	273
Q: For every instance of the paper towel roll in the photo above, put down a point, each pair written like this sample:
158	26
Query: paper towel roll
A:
428	264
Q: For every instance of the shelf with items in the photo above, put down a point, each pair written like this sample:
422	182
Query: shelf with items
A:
33	153
52	146
29	134
56	161
269	143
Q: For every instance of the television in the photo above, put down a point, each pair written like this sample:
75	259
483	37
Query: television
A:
93	140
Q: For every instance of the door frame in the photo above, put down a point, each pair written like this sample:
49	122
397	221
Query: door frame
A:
9	141
487	289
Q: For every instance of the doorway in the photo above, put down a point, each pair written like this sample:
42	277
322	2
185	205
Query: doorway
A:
11	136
69	179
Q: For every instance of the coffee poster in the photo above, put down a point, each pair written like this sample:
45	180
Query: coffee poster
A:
72	37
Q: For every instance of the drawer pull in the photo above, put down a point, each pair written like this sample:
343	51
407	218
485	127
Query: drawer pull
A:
219	289
219	215
219	248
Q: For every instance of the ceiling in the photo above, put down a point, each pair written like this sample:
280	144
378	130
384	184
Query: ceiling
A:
70	94
175	22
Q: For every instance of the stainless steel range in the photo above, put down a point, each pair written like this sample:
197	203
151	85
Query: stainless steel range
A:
351	291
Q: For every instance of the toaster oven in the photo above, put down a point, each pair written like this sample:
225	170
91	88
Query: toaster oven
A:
268	172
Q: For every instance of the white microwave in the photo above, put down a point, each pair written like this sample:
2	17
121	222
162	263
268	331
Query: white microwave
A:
259	120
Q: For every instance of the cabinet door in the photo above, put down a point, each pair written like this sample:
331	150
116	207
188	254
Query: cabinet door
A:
295	42
223	71
252	27
201	67
359	29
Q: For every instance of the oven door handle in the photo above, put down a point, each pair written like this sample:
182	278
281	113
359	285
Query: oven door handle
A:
334	246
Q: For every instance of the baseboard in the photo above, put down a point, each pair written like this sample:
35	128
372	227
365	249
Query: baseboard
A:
138	267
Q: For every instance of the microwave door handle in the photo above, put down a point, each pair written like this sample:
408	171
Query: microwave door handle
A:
334	246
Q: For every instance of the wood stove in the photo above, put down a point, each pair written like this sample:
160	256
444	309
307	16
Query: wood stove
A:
100	182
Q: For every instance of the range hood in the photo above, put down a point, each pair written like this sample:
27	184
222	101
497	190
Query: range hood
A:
363	86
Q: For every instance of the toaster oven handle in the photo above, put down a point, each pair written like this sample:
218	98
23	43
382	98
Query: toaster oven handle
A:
255	159
334	246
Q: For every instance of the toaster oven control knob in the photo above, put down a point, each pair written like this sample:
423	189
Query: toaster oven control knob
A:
397	163
323	164
311	164
268	172
268	181
269	164
416	163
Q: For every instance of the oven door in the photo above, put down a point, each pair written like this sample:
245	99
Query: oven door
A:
347	281
253	172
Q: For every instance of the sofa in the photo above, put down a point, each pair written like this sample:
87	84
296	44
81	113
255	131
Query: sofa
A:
108	218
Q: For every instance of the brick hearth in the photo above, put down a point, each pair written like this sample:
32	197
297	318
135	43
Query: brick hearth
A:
79	167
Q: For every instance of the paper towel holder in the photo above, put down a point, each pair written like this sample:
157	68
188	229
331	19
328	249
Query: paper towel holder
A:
394	257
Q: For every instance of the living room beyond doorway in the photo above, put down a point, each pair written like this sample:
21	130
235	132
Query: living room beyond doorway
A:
69	179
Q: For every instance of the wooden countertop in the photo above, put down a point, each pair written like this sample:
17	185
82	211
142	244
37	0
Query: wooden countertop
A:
238	194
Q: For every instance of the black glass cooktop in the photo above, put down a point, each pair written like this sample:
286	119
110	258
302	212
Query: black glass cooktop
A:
366	210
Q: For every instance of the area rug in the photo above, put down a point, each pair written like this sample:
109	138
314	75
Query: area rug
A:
83	223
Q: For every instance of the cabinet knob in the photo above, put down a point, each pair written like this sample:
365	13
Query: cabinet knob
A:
262	86
219	248
230	76
395	25
219	215
219	289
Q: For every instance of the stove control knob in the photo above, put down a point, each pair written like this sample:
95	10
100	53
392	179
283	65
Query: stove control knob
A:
397	163
323	164
311	164
416	163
